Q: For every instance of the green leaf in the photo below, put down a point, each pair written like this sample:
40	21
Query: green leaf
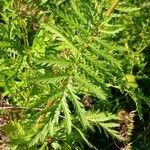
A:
106	56
5	44
105	121
84	138
78	105
66	111
92	88
51	79
62	37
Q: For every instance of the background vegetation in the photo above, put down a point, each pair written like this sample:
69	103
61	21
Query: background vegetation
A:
74	74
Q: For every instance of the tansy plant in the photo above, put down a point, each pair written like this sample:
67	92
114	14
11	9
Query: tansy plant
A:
60	63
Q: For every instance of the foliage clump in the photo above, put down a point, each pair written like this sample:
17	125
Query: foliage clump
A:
72	70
